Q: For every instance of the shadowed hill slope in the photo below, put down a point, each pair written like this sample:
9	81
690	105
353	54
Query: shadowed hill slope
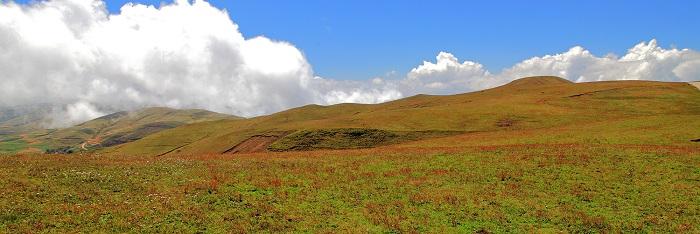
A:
525	104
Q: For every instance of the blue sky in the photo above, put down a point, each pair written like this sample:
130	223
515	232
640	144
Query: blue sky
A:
361	39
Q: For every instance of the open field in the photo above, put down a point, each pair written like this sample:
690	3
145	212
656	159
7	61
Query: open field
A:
538	187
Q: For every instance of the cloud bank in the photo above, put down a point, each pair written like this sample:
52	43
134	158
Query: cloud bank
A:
75	55
644	61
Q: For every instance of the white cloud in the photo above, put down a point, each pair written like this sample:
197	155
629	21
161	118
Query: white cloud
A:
446	76
184	55
644	61
373	91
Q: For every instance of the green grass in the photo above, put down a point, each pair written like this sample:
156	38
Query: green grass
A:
12	145
536	188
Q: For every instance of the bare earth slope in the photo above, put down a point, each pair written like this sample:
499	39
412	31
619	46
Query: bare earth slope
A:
529	104
695	83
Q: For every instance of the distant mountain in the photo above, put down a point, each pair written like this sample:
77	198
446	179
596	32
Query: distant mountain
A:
113	129
20	119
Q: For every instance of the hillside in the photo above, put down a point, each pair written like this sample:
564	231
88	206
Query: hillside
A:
26	118
110	130
122	127
546	105
20	125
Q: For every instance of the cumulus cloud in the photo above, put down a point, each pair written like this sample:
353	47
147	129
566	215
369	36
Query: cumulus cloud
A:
77	56
73	53
446	76
644	61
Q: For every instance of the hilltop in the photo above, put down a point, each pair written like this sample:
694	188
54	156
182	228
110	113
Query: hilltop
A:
600	109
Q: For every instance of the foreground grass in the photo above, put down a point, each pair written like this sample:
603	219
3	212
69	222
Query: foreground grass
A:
575	188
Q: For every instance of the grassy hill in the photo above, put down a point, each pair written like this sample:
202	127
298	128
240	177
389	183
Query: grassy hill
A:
123	127
20	119
110	130
20	125
603	112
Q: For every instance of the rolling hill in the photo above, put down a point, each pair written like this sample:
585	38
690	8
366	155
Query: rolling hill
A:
110	130
122	127
528	110
19	125
19	119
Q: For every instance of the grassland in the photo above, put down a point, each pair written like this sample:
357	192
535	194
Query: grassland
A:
538	155
540	188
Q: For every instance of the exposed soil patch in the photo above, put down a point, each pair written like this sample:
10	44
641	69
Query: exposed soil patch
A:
504	123
254	144
695	83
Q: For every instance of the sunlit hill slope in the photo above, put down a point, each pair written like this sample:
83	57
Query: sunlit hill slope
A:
526	111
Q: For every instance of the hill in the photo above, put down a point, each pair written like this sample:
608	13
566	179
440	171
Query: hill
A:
19	119
110	130
546	104
122	127
19	125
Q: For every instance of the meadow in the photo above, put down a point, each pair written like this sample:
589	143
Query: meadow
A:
522	188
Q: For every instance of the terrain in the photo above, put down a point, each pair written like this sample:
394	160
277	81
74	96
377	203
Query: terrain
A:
664	113
114	129
540	154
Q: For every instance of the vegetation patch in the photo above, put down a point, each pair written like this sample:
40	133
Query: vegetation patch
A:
12	145
60	150
349	138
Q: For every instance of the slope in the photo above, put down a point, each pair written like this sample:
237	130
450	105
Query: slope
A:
20	125
526	104
123	127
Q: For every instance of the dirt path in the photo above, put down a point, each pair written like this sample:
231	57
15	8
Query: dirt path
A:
90	142
695	83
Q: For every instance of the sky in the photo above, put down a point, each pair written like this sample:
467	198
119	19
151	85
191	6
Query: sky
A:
361	39
249	58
